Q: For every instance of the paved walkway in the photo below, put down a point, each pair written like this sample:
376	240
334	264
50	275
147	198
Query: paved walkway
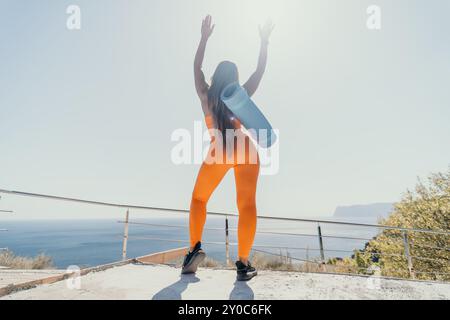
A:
164	282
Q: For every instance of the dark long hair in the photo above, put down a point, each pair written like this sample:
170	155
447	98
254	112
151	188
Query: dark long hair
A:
226	73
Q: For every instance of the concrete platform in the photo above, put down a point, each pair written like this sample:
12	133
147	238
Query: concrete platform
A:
137	281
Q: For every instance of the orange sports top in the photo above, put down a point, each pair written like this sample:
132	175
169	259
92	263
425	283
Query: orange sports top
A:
210	122
249	146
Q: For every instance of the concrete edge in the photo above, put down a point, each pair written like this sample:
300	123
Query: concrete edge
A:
162	257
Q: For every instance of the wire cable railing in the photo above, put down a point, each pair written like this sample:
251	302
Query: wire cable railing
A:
235	244
327	267
268	246
235	230
174	210
403	232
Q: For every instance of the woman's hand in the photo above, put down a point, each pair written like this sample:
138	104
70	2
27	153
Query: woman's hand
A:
253	82
266	30
200	84
207	29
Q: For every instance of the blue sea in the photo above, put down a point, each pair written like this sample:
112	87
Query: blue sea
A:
93	242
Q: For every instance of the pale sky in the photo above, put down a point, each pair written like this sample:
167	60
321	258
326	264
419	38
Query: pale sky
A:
89	113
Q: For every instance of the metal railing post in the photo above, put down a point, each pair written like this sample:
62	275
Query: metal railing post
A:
408	255
4	229
227	242
125	236
322	254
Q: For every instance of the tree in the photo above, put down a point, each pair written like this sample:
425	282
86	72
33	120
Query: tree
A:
427	207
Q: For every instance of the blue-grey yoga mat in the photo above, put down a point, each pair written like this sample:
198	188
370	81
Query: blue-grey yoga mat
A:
237	100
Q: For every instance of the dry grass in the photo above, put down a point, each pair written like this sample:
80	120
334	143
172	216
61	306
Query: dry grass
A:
279	262
282	262
210	263
271	262
10	260
318	267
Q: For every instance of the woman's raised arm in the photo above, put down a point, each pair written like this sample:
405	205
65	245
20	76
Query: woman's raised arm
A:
200	84
253	82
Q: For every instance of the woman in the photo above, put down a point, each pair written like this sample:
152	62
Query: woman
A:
220	119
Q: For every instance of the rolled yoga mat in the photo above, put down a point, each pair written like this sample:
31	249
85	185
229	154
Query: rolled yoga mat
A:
237	100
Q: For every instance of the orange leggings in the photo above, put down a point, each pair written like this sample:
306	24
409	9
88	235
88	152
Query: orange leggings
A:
209	177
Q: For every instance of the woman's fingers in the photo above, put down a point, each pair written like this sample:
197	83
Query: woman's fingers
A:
266	29
207	29
209	22
270	28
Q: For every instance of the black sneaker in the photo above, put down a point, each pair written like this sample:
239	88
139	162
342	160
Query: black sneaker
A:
245	272
193	259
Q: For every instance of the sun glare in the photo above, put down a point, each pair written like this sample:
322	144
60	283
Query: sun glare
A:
258	11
